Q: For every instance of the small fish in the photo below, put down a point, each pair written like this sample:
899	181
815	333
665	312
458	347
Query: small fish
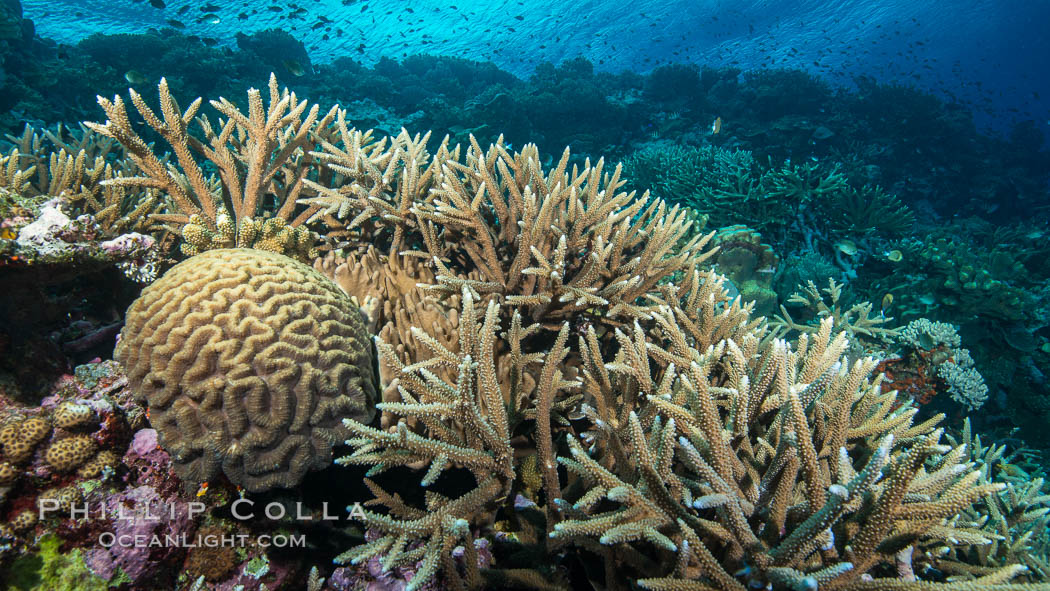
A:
887	301
210	18
716	126
135	77
203	490
158	4
294	68
176	24
846	247
894	256
1013	470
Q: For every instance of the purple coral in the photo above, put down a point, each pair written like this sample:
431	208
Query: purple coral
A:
140	517
148	464
144	443
128	243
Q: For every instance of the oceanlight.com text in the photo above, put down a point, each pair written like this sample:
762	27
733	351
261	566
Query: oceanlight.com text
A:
109	540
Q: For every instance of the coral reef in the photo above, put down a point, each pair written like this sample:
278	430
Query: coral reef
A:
248	361
663	462
699	451
579	398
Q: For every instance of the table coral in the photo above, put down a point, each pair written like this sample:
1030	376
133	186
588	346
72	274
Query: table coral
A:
248	361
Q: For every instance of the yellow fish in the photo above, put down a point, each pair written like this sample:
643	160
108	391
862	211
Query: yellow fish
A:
1013	470
716	126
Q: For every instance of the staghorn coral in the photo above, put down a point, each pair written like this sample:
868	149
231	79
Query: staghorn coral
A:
75	165
782	500
67	220
1015	519
248	361
556	245
379	181
787	468
467	424
699	454
55	196
261	156
857	320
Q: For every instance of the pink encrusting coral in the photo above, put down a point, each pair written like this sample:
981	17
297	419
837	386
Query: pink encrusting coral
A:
140	516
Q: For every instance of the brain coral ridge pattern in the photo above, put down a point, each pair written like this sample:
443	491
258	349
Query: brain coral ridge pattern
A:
248	361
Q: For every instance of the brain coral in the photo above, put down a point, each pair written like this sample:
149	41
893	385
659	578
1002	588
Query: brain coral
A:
249	361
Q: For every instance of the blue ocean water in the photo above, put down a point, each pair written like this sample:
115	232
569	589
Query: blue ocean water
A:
987	53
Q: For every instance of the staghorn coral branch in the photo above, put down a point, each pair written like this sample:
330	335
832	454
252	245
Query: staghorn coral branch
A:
256	154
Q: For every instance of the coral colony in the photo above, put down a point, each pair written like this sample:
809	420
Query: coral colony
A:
283	348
